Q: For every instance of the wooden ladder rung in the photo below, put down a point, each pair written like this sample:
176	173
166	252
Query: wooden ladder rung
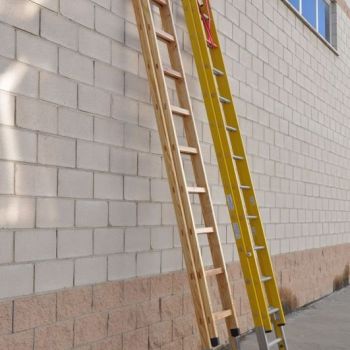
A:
204	230
197	190
222	314
214	272
160	2
172	73
180	111
188	150
164	36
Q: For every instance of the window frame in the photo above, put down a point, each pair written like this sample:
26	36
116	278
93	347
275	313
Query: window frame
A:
331	44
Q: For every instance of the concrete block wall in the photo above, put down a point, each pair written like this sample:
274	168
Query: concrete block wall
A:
83	190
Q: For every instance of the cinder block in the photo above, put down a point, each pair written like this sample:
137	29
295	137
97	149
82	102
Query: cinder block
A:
12	12
160	191
50	4
109	131
7	35
7	178
19	280
32	312
162	237
7	110
137	88
37	52
149	214
53	275
75	66
81	11
103	3
122	214
36	115
121	266
17	212
94	100
136	188
91	213
123	9
109	24
90	270
124	58
75	183
56	151
150	165
55	212
108	241
109	78
137	138
27	85
124	109
36	180
123	161
75	124
90	328
94	45
35	245
137	239
6	248
74	243
148	263
171	260
93	156
58	90
108	186
59	29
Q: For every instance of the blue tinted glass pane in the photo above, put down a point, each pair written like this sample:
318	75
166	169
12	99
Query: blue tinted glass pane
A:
323	19
309	11
295	3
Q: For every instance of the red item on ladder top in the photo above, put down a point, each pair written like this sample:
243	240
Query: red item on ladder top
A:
207	22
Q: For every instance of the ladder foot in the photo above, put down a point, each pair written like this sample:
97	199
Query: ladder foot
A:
235	332
214	342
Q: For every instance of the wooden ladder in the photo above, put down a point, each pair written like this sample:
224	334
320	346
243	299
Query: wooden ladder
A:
160	75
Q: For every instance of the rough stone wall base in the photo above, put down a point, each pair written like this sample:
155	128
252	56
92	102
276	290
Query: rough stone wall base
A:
150	313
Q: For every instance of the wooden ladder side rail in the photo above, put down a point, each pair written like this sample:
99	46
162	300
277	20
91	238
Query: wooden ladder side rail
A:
201	178
172	177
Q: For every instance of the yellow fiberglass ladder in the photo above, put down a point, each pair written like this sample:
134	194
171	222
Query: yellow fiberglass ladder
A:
248	230
170	112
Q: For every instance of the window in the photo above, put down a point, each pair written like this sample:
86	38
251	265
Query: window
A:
316	13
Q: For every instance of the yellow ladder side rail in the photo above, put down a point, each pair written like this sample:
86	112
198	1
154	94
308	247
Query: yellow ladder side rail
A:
250	197
169	163
244	243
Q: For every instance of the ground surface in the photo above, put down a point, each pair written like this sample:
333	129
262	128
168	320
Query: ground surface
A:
324	325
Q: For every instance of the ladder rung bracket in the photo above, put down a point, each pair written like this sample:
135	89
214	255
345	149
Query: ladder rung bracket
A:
188	150
218	72
230	128
222	314
204	230
275	342
164	36
197	190
172	73
180	111
273	310
224	100
160	2
265	278
235	157
214	272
